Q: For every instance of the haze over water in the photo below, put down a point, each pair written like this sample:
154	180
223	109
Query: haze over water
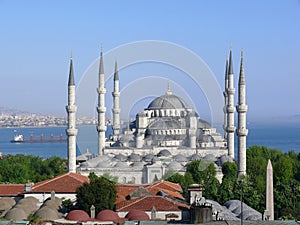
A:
284	137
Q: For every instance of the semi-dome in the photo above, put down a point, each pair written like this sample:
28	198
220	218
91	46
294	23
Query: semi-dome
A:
78	215
168	101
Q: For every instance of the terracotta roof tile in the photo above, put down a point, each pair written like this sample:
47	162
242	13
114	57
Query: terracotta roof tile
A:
65	183
147	203
11	189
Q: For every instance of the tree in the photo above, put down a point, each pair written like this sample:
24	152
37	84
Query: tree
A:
20	168
204	173
100	192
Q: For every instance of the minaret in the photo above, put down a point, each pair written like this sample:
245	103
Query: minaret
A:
230	108
101	109
116	102
270	191
225	100
71	131
242	131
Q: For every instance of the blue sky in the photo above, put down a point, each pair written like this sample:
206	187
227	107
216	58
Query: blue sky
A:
37	36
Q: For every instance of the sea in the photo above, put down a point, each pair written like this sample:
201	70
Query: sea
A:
284	137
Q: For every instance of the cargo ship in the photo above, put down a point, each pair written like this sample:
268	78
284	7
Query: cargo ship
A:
19	138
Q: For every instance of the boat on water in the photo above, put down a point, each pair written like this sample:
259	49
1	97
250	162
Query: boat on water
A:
19	138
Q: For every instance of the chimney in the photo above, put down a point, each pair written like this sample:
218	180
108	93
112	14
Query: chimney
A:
92	212
195	193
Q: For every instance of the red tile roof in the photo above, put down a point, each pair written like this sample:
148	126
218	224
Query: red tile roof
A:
171	189
147	204
11	189
65	183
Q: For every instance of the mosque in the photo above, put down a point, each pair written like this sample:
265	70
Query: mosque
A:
163	138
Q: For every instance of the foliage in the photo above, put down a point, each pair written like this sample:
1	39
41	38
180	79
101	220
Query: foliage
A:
110	177
21	169
67	206
252	188
286	179
34	219
100	192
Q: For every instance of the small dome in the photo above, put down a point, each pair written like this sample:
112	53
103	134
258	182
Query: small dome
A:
108	215
47	213
174	166
164	153
104	164
232	204
121	165
225	158
155	159
195	157
134	157
53	204
137	215
148	157
16	214
28	209
121	157
210	157
168	101
78	215
180	158
6	203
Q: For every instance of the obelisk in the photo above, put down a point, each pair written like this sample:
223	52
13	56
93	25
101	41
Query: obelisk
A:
270	191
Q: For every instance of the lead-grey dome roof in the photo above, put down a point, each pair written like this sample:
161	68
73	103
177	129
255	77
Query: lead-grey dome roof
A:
164	152
168	101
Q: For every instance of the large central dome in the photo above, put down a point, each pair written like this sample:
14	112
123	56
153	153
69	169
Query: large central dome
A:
168	101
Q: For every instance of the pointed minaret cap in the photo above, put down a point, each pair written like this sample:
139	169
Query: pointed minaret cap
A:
226	68
242	76
101	67
169	92
116	74
230	67
71	73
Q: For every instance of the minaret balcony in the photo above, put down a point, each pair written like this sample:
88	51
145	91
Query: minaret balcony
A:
230	109
242	132
101	128
116	94
71	108
230	91
101	91
116	110
71	131
242	108
230	129
101	109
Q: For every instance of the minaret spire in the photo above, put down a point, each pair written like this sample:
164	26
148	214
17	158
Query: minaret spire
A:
225	99
101	109
242	131
230	108
71	131
169	92
116	103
